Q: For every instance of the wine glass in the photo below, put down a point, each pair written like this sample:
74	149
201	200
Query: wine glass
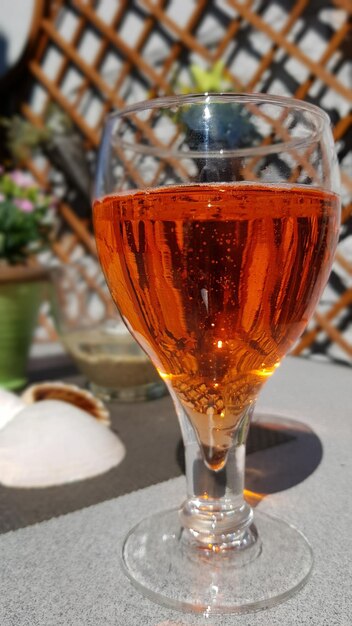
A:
216	219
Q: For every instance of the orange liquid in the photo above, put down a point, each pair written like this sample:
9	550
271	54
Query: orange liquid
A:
217	282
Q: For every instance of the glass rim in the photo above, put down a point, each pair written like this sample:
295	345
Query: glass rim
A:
208	98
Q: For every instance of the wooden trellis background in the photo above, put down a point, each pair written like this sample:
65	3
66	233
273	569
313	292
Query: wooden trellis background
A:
91	56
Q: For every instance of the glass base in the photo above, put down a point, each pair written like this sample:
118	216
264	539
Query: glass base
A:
138	393
172	573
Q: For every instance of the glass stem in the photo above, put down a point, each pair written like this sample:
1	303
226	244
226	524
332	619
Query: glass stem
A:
215	515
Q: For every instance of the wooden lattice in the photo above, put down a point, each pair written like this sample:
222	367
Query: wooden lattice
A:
92	56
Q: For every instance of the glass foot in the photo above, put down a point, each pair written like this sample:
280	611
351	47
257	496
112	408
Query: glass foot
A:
172	573
138	393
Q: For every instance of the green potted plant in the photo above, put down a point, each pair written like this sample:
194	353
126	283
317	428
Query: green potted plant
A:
27	217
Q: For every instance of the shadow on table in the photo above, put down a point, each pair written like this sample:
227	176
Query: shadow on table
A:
281	453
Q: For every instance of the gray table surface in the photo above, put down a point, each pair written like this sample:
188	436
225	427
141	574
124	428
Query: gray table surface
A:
67	571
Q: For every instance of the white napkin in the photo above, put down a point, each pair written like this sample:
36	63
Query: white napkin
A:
52	442
10	405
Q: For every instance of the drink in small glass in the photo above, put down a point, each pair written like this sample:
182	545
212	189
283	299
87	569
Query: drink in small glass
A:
216	220
96	338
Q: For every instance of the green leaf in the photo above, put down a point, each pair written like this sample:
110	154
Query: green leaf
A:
209	80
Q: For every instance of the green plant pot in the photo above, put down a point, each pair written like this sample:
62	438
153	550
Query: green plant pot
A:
20	300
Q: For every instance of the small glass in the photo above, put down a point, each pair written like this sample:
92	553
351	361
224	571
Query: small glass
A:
95	336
